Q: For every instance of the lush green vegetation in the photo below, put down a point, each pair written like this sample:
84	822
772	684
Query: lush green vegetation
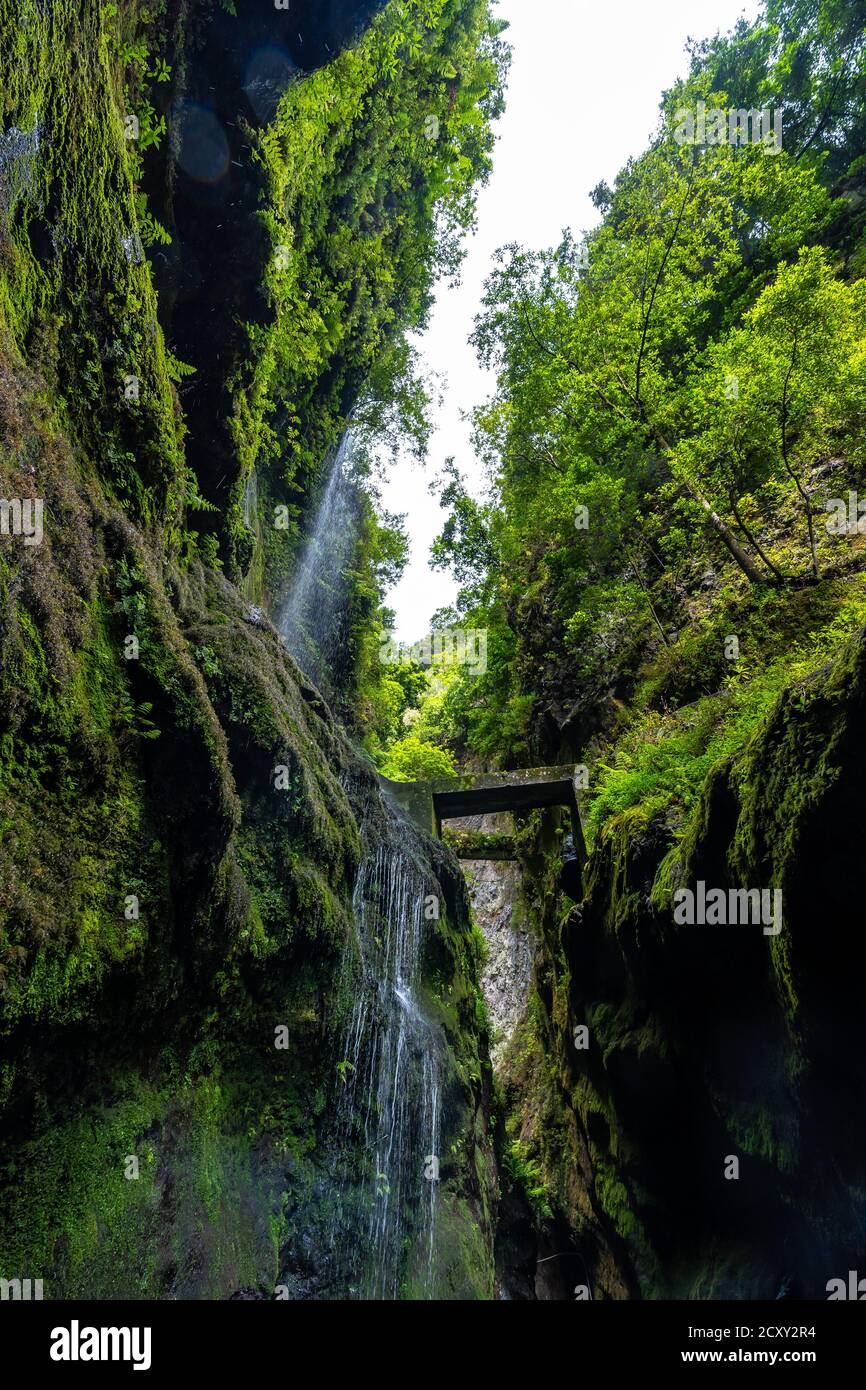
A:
371	167
681	395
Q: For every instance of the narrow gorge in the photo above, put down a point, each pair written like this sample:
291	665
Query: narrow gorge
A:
285	1013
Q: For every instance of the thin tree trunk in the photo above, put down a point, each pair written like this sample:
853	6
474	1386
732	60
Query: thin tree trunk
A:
754	543
636	568
783	422
726	535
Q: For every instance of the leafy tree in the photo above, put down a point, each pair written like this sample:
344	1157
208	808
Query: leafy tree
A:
411	759
669	388
796	389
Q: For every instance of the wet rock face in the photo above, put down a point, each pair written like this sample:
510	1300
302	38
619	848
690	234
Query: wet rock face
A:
494	889
301	34
196	1045
316	29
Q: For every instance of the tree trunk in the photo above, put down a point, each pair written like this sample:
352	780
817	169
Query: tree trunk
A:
743	559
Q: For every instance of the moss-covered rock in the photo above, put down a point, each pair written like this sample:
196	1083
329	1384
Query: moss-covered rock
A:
671	1049
182	817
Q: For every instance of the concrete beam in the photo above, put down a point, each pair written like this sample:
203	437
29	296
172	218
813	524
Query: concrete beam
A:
431	803
428	804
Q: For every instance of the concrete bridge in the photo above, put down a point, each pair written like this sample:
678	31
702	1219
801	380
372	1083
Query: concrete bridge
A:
431	803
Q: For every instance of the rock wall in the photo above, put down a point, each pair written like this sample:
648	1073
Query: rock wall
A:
686	1094
495	894
184	821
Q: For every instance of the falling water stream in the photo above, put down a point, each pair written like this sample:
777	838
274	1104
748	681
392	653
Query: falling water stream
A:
252	521
311	620
18	153
389	1114
392	1067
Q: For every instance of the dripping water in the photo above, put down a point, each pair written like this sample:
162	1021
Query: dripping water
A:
391	1101
312	619
250	502
252	521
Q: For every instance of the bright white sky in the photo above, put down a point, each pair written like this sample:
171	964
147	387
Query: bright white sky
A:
583	94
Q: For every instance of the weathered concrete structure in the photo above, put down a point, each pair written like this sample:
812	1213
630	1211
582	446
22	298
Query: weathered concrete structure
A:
430	803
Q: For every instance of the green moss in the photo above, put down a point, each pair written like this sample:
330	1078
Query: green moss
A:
191	1224
87	284
662	761
479	844
145	770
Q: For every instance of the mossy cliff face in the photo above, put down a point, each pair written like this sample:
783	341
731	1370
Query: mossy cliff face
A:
170	903
313	188
708	1043
183	820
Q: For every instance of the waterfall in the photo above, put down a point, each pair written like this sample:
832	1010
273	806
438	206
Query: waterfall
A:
250	502
384	1149
311	621
252	521
390	1056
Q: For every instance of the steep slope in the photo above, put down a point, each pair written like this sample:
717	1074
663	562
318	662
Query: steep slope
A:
188	915
709	1074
